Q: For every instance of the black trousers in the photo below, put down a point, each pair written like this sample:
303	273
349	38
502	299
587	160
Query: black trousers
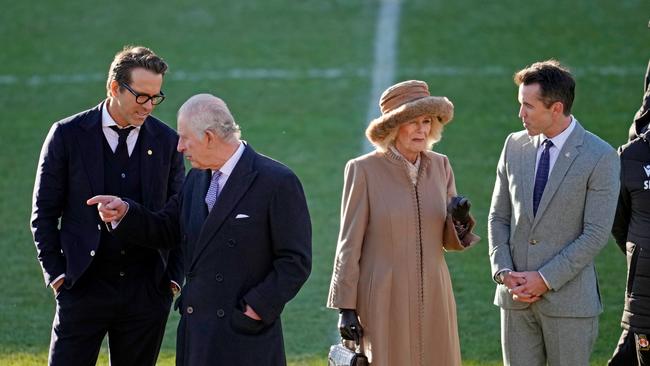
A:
631	350
131	311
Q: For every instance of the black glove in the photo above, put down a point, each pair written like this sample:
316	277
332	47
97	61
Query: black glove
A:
349	326
459	210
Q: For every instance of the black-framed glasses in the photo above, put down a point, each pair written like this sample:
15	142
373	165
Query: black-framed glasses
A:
144	98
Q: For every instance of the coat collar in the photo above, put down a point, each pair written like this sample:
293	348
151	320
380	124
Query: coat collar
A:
425	161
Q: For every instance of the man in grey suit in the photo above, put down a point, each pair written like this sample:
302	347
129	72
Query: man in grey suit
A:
552	208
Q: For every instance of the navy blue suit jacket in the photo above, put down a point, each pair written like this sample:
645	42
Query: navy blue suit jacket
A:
253	248
71	170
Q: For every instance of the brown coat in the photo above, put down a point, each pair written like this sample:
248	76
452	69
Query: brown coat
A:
390	264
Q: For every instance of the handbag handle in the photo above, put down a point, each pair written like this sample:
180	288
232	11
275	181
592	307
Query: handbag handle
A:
354	345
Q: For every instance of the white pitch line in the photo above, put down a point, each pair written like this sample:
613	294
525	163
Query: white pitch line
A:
385	55
181	75
325	74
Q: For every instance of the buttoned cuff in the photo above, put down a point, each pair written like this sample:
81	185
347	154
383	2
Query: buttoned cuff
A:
115	223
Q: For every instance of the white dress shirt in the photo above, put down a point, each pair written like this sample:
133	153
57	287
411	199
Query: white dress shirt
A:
112	136
558	143
229	165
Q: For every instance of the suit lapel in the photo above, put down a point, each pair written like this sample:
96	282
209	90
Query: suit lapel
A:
528	159
90	139
237	185
565	158
150	158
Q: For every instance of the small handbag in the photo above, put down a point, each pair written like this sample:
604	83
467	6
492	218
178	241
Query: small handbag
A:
346	354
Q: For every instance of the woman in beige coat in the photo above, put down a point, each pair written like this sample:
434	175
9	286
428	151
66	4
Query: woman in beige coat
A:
390	278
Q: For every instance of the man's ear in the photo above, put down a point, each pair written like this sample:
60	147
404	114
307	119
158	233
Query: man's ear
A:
114	87
557	107
212	137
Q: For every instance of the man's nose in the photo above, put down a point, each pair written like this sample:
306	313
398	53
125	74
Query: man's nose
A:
149	105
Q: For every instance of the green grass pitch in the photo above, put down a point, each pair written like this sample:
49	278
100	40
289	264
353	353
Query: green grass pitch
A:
296	75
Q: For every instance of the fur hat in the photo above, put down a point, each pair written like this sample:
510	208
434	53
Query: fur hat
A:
403	102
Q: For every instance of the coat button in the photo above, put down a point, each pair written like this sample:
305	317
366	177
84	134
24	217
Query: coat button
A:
231	243
220	313
123	252
122	274
92	253
533	241
99	227
190	310
219	277
123	175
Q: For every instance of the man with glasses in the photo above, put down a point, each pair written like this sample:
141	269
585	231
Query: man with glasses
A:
103	285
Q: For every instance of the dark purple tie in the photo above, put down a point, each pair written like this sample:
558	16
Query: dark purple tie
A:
541	177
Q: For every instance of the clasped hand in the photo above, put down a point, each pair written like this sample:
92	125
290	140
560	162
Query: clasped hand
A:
525	286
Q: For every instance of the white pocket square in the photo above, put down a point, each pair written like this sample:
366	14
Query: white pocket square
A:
241	216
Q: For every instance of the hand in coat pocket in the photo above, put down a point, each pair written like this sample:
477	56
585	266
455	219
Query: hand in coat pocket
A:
244	324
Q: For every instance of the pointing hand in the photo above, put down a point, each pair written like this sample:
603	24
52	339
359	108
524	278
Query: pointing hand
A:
111	208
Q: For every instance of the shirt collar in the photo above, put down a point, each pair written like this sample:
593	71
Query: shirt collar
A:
230	164
108	121
560	139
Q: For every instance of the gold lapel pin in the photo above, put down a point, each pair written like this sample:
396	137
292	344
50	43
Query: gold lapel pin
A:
149	152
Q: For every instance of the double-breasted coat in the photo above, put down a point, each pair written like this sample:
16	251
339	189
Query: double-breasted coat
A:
390	263
254	247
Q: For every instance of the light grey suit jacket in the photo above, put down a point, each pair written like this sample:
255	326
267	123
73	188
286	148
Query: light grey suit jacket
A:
572	224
